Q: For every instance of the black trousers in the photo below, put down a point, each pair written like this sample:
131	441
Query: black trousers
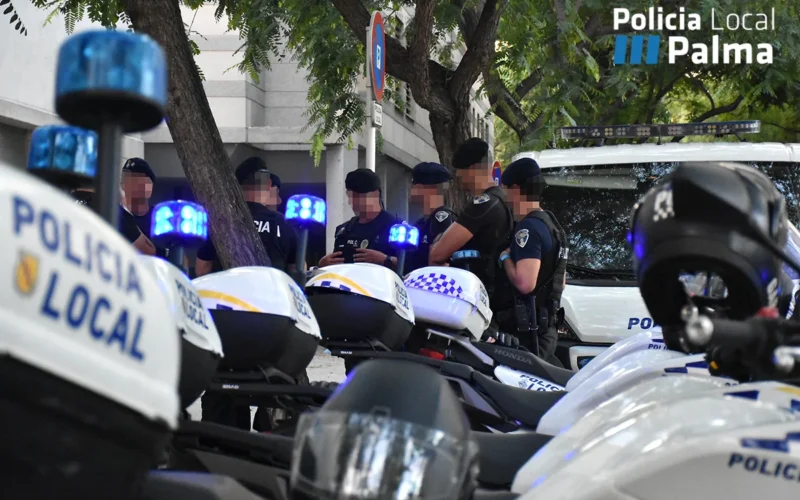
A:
224	410
547	336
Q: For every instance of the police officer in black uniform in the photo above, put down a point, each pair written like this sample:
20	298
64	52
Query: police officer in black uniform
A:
365	237
278	237
534	264
275	192
126	224
486	222
428	185
138	181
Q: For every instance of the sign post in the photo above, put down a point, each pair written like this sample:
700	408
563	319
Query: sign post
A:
376	81
496	172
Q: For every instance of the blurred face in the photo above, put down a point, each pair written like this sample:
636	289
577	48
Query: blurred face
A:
420	192
137	186
363	202
274	197
258	189
514	197
469	177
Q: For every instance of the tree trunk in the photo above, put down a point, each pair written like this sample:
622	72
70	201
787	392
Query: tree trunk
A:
197	139
448	134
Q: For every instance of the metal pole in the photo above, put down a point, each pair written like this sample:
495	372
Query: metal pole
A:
401	262
300	256
370	125
106	183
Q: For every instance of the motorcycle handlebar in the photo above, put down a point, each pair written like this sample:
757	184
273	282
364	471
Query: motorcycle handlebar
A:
703	331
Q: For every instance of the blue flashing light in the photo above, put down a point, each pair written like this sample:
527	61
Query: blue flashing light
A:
404	235
64	148
179	222
306	208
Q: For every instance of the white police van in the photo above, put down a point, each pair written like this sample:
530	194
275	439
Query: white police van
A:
592	190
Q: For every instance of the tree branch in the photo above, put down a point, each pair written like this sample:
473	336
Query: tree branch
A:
701	86
714	112
526	85
787	129
420	49
480	47
660	95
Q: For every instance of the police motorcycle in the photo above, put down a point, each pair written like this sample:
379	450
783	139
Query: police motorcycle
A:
739	440
92	381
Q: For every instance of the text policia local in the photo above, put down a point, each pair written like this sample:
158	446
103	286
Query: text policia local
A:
719	23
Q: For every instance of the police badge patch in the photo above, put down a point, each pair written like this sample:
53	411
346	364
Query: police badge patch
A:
364	243
440	216
481	199
521	237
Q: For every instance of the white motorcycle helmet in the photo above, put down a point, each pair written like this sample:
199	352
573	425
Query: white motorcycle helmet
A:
88	359
201	347
357	302
262	317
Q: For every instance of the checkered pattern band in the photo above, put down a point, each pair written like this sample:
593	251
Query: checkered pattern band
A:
437	283
330	284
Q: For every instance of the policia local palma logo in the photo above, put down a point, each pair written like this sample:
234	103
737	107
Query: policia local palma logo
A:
715	52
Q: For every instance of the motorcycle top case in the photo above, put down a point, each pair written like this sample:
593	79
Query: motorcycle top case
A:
201	347
263	319
359	302
700	446
449	297
89	356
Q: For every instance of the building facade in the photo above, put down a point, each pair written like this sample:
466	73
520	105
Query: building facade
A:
264	118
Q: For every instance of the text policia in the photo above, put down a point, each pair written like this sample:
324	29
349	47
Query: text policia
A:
719	23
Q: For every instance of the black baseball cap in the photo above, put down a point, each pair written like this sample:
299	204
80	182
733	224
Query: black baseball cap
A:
430	173
519	171
251	168
362	180
276	181
139	166
470	152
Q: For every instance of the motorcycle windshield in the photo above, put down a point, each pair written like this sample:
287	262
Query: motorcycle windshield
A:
358	456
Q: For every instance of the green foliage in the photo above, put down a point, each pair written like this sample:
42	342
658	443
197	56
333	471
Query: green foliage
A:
7	8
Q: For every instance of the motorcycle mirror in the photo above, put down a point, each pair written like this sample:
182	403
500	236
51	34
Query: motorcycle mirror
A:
63	156
403	237
112	82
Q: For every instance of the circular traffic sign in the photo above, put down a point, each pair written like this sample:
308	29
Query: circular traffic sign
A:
377	47
497	172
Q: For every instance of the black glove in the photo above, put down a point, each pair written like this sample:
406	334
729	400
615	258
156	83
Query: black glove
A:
497	337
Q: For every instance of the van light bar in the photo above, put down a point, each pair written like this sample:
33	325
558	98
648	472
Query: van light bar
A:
660	130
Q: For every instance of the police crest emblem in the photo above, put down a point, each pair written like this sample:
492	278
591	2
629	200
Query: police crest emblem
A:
522	237
364	243
481	199
440	216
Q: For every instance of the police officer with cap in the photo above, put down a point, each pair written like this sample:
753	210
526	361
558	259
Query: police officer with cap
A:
138	180
365	237
275	192
486	222
278	237
535	263
428	185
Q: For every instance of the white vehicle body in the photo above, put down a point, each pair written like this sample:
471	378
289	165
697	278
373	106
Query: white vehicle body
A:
740	441
80	304
600	312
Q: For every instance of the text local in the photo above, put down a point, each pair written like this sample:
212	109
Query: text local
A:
192	306
74	304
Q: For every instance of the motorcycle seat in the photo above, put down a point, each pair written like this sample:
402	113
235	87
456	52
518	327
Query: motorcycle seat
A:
168	485
500	456
526	362
522	405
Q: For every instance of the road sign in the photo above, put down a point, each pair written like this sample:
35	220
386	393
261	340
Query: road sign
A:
377	56
496	172
377	114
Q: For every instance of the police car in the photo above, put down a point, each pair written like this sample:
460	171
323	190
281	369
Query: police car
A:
592	190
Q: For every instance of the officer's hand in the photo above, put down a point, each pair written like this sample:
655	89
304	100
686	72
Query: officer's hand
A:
331	258
369	255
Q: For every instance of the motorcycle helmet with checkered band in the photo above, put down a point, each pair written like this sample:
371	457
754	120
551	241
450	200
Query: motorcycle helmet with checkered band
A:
720	220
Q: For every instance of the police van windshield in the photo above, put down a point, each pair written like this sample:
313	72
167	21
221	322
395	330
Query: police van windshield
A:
593	204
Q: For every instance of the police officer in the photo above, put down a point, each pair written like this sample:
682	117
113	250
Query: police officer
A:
486	222
138	181
535	263
278	237
126	224
275	192
428	185
365	237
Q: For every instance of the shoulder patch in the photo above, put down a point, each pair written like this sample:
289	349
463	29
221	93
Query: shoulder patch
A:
522	237
440	216
481	199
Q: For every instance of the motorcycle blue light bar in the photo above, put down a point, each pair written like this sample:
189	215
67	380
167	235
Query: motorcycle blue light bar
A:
404	235
661	130
306	208
112	72
179	222
64	149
